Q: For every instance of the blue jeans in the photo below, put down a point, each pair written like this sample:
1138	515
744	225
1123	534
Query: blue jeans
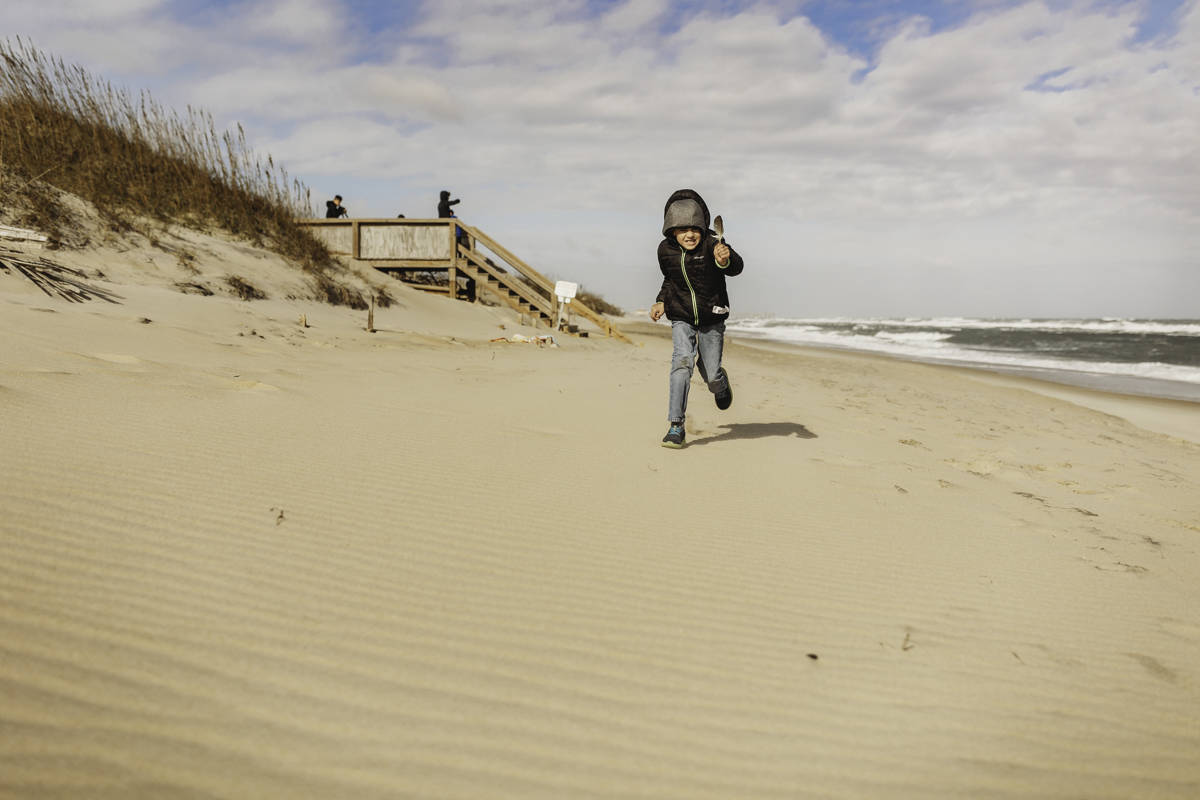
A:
687	341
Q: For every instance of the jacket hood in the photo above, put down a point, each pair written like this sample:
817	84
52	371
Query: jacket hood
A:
685	208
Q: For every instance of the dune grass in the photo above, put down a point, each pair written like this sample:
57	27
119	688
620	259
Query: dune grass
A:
598	303
134	159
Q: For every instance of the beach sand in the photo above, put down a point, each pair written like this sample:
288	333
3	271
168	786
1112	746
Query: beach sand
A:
245	558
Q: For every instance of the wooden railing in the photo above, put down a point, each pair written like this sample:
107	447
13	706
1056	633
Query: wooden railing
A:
432	245
577	305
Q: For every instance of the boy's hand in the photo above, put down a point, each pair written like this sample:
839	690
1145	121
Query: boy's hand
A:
657	310
721	254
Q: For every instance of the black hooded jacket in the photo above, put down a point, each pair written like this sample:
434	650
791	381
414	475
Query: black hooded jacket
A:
444	203
693	287
333	210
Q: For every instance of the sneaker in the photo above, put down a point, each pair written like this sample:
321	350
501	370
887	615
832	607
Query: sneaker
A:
725	399
675	436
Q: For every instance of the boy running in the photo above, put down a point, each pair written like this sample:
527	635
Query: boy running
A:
694	264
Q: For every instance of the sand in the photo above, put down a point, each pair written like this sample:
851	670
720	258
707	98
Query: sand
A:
244	558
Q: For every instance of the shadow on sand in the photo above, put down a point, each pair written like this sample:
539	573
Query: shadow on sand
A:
756	430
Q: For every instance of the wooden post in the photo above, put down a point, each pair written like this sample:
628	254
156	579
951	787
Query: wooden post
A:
371	316
354	243
452	273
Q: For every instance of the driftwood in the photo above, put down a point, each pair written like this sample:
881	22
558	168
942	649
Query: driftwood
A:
55	279
21	234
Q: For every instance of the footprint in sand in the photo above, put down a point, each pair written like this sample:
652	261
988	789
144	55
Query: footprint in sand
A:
841	461
1121	566
1181	629
116	358
254	386
1155	667
1060	659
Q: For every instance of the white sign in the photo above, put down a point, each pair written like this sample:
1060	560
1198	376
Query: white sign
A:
565	290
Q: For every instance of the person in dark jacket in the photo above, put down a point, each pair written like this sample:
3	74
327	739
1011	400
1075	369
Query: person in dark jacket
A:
334	208
694	264
444	204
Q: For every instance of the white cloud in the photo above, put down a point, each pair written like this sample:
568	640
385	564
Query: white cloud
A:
86	11
634	15
309	22
118	37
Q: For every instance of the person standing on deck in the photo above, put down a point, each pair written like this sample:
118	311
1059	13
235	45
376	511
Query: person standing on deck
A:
334	208
460	236
444	204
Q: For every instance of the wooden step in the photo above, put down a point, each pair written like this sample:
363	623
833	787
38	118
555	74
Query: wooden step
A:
428	287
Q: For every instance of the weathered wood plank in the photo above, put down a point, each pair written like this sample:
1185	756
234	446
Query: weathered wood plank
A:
21	234
429	287
404	242
400	264
338	238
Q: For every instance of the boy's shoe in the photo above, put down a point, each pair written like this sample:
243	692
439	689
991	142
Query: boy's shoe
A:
675	436
725	399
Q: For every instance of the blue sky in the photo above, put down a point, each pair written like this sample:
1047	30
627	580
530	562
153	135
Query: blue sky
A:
880	157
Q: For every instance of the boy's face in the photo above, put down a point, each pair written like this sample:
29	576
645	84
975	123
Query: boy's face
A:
688	238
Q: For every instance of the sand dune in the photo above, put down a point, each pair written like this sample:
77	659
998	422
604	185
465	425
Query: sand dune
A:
244	558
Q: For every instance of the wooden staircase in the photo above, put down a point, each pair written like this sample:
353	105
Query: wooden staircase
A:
519	289
518	286
507	287
408	246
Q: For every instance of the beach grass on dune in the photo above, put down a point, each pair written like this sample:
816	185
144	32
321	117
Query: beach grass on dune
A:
136	160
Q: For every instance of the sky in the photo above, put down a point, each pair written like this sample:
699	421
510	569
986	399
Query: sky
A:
885	158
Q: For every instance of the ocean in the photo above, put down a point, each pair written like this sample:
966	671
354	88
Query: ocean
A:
1149	357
